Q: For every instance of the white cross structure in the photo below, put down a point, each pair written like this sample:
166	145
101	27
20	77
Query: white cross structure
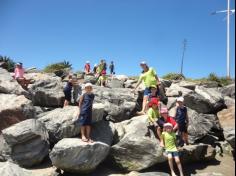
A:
229	12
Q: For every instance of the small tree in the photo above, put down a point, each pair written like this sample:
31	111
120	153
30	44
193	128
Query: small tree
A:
8	63
60	69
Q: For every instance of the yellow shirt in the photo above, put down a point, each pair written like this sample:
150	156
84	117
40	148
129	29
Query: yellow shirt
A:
169	141
153	115
102	78
149	78
99	69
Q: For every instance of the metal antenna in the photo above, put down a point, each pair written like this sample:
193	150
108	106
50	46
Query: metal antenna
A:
184	49
229	12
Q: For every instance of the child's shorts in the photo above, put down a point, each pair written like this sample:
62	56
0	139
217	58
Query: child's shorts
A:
173	154
183	128
85	120
147	91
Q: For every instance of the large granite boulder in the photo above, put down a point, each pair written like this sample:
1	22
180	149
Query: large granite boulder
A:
26	143
103	131
47	91
229	91
229	134
90	79
120	103
175	91
202	125
14	109
213	96
187	85
134	151
197	153
76	156
60	122
11	169
115	83
8	85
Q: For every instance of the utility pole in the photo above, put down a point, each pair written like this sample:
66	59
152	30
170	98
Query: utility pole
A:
184	49
229	12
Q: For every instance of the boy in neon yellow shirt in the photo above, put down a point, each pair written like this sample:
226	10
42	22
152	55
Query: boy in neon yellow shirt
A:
102	81
154	122
168	141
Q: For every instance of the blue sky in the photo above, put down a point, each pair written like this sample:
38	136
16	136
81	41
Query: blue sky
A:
40	32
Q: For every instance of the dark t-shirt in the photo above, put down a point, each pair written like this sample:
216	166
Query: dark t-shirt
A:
87	104
68	87
181	115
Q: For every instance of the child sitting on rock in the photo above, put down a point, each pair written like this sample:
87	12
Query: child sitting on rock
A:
154	122
102	81
181	118
85	115
168	141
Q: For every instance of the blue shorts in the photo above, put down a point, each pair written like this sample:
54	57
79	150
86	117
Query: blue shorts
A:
147	91
173	154
85	120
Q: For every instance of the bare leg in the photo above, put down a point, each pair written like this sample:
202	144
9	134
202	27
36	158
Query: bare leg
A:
177	160
185	138
88	132
159	132
170	161
83	133
66	103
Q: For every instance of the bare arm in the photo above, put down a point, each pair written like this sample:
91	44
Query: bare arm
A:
139	82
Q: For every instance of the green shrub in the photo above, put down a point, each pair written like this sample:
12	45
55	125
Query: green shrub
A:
173	76
8	63
224	81
60	66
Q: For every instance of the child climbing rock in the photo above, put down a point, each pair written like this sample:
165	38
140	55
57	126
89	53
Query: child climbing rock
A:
67	91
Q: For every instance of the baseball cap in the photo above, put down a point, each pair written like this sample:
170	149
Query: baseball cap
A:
88	85
143	63
180	99
154	101
164	110
87	62
168	125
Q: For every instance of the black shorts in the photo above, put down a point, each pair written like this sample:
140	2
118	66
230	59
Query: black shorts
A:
85	119
67	95
183	128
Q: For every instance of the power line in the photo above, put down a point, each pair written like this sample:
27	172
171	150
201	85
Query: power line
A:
184	49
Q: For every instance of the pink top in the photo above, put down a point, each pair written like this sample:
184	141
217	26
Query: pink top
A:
19	73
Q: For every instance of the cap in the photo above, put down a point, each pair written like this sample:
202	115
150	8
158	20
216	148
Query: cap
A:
88	85
180	99
18	63
168	125
154	101
95	65
87	62
164	110
153	86
143	63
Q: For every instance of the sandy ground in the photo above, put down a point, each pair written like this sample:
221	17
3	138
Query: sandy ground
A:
224	165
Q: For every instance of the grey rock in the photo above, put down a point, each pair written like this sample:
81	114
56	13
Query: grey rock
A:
208	174
14	109
47	92
229	91
213	96
103	131
75	156
201	125
130	153
196	153
229	101
120	103
60	122
115	83
175	91
229	134
11	169
130	83
90	79
165	83
26	143
8	85
187	85
142	174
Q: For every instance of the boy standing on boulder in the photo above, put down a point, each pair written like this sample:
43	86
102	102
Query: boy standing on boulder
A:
85	115
67	91
168	141
181	118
